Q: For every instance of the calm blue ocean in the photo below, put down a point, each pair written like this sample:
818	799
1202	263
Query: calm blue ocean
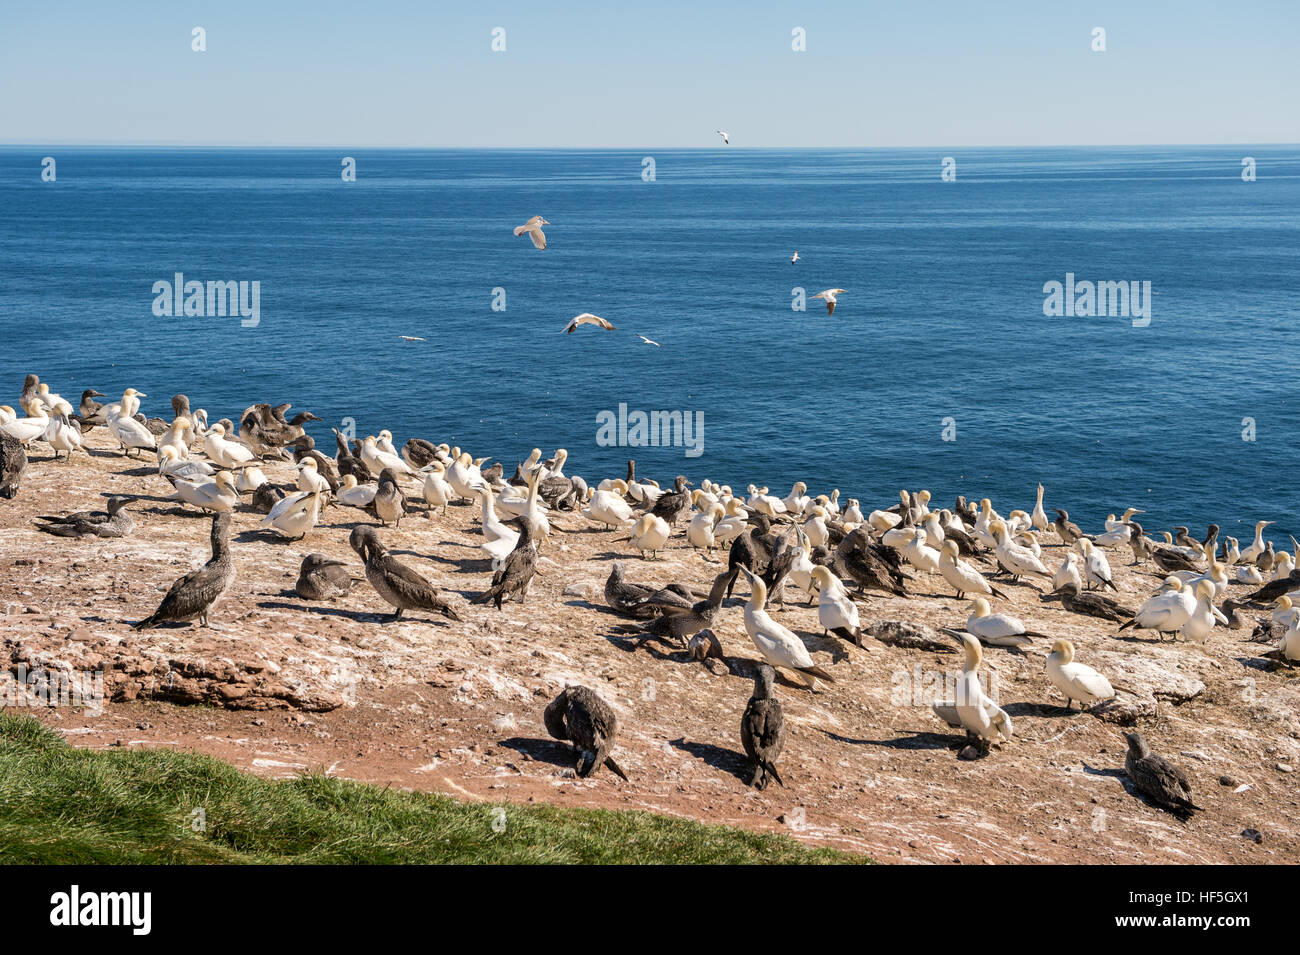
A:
943	316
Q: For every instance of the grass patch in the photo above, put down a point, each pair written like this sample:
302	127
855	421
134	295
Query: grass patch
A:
63	805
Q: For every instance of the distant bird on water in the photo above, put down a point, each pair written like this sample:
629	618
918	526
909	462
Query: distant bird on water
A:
586	318
534	229
794	258
410	338
831	296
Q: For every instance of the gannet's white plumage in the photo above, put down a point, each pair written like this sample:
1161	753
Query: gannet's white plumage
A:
1096	569
376	459
1068	573
961	575
998	629
352	494
1039	517
225	452
533	228
1077	681
831	296
586	318
976	712
836	611
170	462
608	507
218	494
1167	610
52	401
295	515
778	646
1202	618
1251	553
699	532
649	534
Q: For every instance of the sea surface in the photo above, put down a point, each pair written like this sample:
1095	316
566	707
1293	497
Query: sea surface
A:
943	317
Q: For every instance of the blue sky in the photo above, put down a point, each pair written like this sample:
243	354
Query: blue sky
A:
663	74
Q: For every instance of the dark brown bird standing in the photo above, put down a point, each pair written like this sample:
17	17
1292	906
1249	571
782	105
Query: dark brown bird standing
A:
589	723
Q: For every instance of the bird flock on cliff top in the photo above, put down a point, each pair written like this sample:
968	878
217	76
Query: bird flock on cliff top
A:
817	548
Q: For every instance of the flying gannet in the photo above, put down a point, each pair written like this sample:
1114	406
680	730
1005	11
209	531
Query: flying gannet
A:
586	318
534	229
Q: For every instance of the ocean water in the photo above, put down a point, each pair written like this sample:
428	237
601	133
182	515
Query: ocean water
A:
943	317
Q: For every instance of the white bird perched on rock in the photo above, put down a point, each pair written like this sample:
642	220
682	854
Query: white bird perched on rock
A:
225	453
699	532
608	506
797	500
815	527
1016	560
778	646
51	401
249	479
1251	553
1290	645
63	435
465	479
376	459
997	629
219	494
1077	681
1039	517
1068	573
733	524
352	494
1167	610
533	227
172	464
1096	569
131	434
649	534
294	515
919	554
309	477
961	575
977	713
1202	618
437	492
831	296
836	611
586	318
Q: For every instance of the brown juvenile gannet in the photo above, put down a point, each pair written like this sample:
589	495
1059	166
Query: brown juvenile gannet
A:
389	502
398	584
193	595
1157	778
13	461
266	496
516	571
1066	529
115	522
589	723
349	463
641	601
762	729
674	505
419	453
870	565
90	413
680	623
1093	604
322	578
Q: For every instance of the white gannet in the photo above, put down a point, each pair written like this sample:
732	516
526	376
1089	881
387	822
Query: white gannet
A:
171	463
1201	620
437	492
608	506
465	479
836	611
1116	533
997	629
699	532
853	513
650	534
376	459
801	567
224	452
534	229
309	477
586	318
295	515
1096	569
352	494
177	436
28	429
63	435
934	532
384	442
962	576
831	295
1039	517
493	529
815	527
1068	573
1167	610
1231	552
1250	554
51	401
648	341
410	338
1077	681
7	414
794	258
1016	560
1289	647
725	138
1249	574
778	646
130	434
976	712
249	479
733	524
554	467
218	494
797	500
919	554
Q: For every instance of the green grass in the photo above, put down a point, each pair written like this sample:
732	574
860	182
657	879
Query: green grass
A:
60	804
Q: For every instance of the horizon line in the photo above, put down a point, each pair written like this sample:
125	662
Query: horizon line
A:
5	144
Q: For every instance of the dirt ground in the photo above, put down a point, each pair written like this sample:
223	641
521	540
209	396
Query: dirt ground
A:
431	704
